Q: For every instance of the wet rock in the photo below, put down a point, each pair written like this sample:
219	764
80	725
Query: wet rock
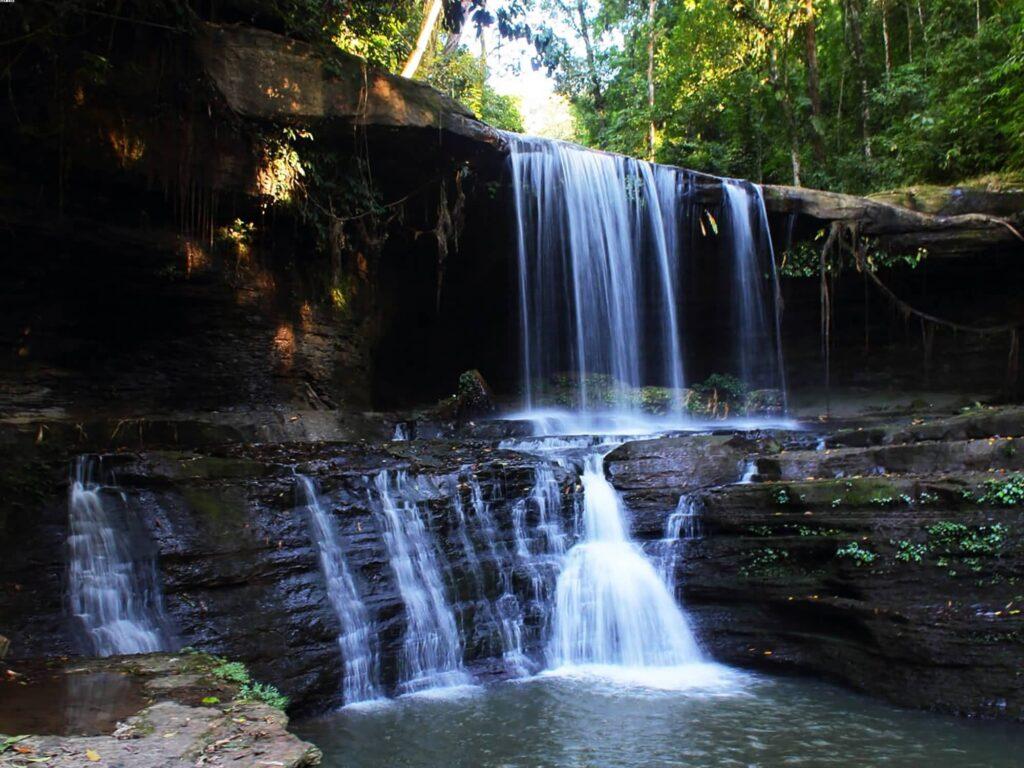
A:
192	718
653	474
922	458
896	572
475	398
973	423
240	570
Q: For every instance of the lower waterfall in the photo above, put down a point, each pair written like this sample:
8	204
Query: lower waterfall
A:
113	587
361	674
612	607
432	648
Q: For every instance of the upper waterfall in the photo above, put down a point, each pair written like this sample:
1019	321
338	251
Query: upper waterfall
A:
590	301
604	253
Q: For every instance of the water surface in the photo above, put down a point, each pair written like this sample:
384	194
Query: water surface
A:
565	722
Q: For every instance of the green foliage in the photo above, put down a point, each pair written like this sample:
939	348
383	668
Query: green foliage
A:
765	562
959	539
943	95
780	496
910	551
268	694
858	554
718	395
463	76
1008	492
232	672
235	672
9	742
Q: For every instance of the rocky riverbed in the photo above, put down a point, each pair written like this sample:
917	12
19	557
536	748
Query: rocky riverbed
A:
884	554
155	710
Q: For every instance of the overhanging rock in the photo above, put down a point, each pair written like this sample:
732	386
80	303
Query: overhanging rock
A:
266	76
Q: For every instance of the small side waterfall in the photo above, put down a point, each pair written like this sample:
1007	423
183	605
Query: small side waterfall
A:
757	339
361	675
113	585
611	605
682	525
432	648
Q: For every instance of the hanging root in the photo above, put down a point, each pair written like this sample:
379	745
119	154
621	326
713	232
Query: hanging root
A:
929	322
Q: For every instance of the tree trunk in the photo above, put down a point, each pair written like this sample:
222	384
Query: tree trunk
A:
483	73
910	35
430	18
885	40
652	133
855	39
920	16
781	88
588	46
813	81
452	43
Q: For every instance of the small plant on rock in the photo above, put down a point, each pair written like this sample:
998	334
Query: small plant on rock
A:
267	694
232	672
910	551
1008	492
857	553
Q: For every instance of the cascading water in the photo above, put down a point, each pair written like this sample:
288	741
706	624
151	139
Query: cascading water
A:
598	272
611	605
431	649
601	294
757	339
502	615
361	674
682	525
113	586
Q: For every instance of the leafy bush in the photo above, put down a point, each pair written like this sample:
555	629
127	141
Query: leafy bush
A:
1008	492
235	672
232	672
957	538
267	694
718	395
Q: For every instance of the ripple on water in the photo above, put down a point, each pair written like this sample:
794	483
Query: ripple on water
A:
719	717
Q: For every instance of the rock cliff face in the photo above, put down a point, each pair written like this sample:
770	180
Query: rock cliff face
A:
888	558
894	566
238	555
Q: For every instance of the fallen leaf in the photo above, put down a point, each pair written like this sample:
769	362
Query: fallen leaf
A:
92	756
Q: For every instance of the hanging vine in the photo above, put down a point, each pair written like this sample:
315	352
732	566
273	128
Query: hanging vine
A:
845	238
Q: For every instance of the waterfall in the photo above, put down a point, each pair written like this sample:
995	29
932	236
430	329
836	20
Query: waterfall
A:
504	615
113	585
360	681
757	332
431	648
682	525
601	265
598	272
611	605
